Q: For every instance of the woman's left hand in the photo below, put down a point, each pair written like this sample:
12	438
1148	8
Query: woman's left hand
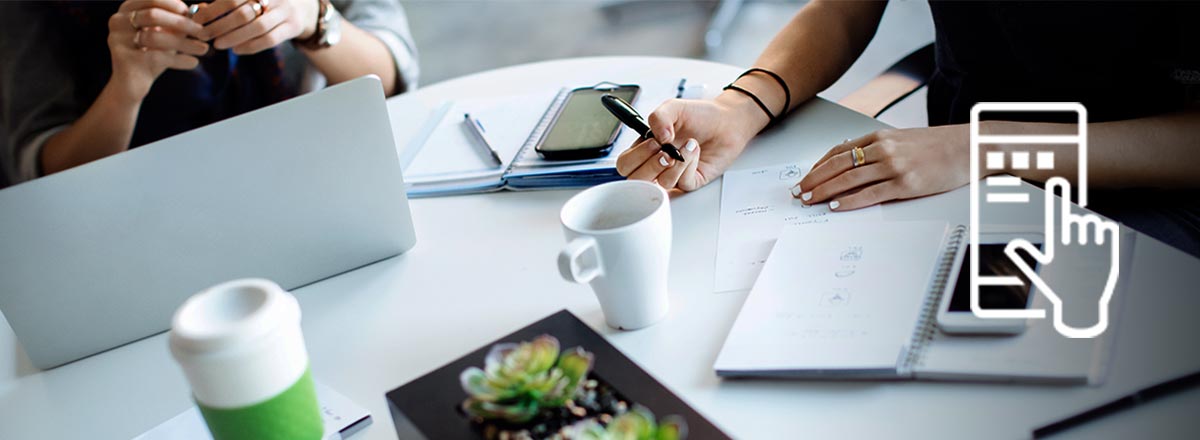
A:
899	164
252	26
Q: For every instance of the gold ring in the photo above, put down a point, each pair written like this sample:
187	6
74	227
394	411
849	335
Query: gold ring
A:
133	19
258	8
265	4
859	156
137	40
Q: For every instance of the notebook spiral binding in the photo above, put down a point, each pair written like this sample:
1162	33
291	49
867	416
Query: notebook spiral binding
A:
926	327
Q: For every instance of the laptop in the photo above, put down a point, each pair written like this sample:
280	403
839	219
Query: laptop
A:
101	255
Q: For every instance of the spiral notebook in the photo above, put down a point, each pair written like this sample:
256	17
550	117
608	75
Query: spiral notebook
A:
442	158
847	301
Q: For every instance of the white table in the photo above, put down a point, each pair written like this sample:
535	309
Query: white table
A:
484	266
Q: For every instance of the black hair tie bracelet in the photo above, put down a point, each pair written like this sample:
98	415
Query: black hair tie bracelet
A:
770	116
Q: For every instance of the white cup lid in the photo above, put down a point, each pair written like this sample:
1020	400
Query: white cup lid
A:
231	314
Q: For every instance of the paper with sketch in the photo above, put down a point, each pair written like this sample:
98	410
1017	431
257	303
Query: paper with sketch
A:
755	205
835	300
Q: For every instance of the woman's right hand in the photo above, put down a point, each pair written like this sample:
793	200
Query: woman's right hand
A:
147	37
721	129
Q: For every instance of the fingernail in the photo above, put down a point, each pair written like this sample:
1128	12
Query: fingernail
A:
663	160
691	145
834	204
796	190
806	196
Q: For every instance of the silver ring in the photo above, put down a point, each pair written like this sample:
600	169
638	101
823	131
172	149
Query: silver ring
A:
192	10
265	4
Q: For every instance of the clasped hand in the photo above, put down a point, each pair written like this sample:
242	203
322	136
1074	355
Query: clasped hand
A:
146	37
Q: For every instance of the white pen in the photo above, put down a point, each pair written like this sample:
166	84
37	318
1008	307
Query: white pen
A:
477	130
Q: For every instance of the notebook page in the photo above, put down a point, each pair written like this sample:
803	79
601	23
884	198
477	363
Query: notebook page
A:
451	152
756	203
834	299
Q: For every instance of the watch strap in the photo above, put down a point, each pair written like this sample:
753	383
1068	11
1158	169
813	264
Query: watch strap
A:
317	40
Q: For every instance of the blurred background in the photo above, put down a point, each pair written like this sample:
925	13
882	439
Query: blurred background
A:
459	37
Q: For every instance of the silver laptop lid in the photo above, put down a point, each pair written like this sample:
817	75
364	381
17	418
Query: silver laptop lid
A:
101	255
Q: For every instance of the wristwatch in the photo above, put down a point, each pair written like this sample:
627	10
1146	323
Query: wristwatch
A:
329	28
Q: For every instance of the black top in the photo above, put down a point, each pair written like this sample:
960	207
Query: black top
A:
1121	60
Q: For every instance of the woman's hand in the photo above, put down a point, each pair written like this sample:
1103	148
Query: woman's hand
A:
899	164
252	26
147	37
709	134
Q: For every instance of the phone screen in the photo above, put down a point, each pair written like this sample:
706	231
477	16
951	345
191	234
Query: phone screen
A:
992	261
584	123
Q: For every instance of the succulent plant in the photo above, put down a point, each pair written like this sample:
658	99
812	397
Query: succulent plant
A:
637	424
520	380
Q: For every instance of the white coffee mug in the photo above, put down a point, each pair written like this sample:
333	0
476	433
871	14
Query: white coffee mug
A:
619	242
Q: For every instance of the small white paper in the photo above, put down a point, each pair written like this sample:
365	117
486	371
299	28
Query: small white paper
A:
755	205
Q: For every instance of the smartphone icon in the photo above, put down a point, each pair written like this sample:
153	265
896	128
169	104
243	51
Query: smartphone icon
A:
1004	192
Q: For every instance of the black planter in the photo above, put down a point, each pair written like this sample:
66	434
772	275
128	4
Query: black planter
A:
428	406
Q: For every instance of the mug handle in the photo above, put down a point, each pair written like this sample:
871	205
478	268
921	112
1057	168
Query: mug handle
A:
568	261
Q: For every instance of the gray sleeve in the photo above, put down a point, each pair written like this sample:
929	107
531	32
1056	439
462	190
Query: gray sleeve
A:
385	19
37	93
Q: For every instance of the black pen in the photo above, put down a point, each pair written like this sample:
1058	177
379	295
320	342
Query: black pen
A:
630	117
1127	401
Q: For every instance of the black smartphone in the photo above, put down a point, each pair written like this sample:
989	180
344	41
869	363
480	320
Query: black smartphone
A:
583	128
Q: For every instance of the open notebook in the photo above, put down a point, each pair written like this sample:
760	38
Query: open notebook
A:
853	302
442	158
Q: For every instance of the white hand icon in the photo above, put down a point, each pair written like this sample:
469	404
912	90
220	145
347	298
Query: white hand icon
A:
1077	231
